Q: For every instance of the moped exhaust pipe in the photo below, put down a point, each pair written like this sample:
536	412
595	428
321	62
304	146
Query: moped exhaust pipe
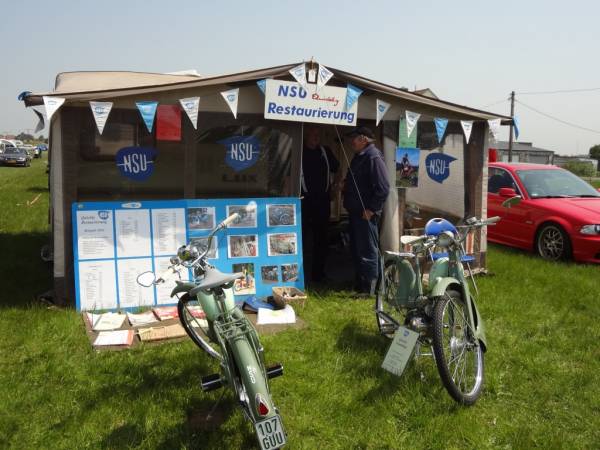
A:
211	382
274	371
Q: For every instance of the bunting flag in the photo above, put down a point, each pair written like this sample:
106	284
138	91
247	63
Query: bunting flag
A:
411	121
191	105
148	111
262	85
516	126
52	104
323	76
40	125
494	125
440	127
352	94
231	97
467	126
382	108
299	74
101	110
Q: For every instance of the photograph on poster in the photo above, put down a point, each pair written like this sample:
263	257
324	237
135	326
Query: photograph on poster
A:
282	244
201	244
269	274
242	246
289	272
281	215
407	167
246	284
247	216
201	218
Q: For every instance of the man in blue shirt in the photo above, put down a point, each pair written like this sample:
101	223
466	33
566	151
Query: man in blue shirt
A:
365	192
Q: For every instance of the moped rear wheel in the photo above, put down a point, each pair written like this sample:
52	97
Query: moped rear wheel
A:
384	300
458	355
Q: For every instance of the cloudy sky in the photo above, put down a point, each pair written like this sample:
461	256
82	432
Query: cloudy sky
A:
468	52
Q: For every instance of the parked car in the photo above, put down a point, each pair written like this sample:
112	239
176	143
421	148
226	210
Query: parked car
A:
558	216
15	157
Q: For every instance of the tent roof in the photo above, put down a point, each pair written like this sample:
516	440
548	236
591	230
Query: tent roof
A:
85	86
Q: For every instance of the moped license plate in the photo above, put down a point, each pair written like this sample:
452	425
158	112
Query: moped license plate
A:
270	433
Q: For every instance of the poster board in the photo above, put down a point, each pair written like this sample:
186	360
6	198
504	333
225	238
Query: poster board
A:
113	242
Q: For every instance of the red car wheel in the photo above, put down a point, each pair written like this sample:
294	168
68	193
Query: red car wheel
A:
553	243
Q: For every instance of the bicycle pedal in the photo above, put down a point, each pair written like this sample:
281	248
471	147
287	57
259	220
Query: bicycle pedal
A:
274	371
211	382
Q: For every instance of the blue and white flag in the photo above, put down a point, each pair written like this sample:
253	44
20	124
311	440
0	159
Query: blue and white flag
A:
191	105
440	127
231	97
323	76
494	125
382	108
411	121
299	74
148	111
101	110
516	126
262	85
52	104
467	126
352	94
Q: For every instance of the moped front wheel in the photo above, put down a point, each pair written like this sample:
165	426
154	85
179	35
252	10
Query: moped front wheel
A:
187	308
458	355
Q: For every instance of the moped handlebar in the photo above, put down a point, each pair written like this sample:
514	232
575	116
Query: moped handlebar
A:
231	218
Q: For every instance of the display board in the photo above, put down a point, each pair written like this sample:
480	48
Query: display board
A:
114	242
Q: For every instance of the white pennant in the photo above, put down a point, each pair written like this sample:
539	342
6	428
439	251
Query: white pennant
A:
40	125
190	106
101	110
411	122
382	108
494	125
231	97
299	74
52	104
467	126
323	76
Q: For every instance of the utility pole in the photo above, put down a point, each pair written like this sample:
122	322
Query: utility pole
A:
512	115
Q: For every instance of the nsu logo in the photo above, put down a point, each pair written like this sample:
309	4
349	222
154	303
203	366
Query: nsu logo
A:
136	163
242	151
438	166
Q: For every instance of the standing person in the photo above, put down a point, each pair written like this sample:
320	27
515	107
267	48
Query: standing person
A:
365	192
318	167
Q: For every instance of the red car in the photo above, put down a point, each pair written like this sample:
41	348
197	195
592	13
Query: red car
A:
558	216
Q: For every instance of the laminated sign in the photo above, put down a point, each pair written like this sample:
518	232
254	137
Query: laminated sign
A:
438	166
242	151
136	163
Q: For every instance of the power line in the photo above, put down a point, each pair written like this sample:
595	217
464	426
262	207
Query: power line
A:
556	118
564	91
496	103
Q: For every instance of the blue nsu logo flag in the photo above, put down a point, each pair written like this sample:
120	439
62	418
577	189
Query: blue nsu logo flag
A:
438	166
136	163
242	151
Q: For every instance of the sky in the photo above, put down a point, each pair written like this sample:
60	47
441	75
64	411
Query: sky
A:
468	52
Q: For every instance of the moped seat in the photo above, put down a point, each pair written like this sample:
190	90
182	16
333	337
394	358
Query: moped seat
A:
214	278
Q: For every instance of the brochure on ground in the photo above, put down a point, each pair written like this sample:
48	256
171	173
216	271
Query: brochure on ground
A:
106	321
279	316
117	337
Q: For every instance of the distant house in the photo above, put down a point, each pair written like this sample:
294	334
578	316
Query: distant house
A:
562	160
524	152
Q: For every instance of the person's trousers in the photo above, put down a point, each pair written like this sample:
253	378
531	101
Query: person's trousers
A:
364	244
315	228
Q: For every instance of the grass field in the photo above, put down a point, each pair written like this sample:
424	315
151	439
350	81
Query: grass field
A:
542	368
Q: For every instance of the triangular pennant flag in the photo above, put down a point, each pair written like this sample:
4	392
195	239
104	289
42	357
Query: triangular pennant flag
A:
52	104
231	97
382	108
40	125
352	94
262	84
411	121
323	76
516	126
494	125
440	127
190	105
148	111
467	126
299	74
101	110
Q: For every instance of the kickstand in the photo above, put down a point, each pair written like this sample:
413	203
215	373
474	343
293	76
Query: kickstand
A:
209	415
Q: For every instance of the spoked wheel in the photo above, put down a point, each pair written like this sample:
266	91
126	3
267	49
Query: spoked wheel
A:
187	307
552	243
387	290
458	356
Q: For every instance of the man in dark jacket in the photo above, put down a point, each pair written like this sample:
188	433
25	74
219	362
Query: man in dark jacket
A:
365	192
318	169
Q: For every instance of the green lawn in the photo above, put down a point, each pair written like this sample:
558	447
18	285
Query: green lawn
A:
542	382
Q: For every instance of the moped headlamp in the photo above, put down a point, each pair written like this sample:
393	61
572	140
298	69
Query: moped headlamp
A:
445	239
590	229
